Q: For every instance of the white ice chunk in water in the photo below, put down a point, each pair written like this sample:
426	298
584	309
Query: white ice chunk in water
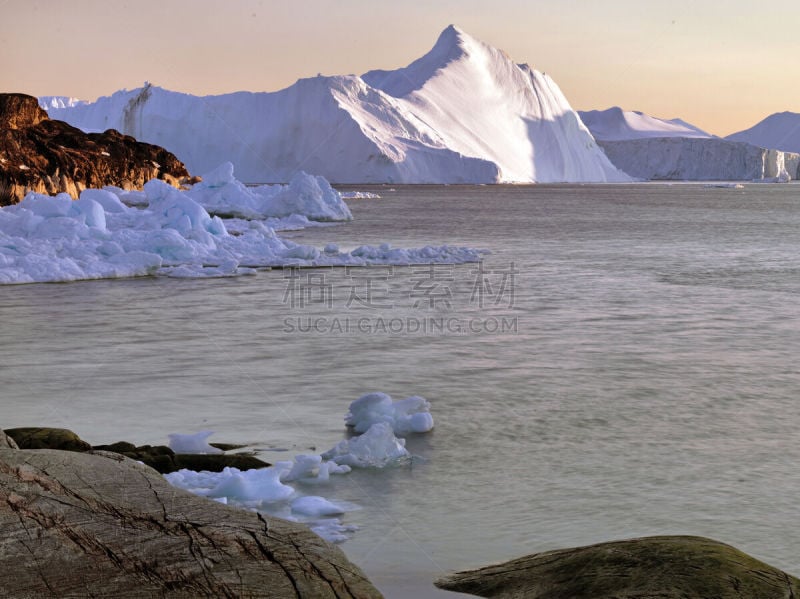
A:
410	415
312	505
192	443
376	448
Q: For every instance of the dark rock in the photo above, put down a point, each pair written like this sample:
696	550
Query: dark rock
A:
47	438
218	462
227	446
679	567
7	442
47	156
163	459
101	525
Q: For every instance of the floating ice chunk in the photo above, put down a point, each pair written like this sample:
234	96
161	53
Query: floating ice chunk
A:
192	443
312	505
253	487
359	195
410	415
108	200
332	529
376	448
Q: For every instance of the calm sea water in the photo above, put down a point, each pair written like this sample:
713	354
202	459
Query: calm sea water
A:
623	364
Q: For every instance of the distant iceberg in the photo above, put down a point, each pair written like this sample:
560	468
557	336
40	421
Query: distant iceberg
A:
650	148
780	131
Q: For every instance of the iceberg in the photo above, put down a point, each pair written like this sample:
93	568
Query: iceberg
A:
463	113
615	124
649	148
780	131
376	448
410	415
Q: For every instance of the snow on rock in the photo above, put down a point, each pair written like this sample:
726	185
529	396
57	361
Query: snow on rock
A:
48	239
410	415
376	448
425	123
615	124
780	131
192	443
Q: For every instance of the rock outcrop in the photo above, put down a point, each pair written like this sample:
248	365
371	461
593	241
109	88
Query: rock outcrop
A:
669	567
48	156
101	525
159	457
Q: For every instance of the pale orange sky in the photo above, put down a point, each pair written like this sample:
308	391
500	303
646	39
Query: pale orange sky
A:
722	66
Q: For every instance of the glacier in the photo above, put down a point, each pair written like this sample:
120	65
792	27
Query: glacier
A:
780	131
650	148
463	113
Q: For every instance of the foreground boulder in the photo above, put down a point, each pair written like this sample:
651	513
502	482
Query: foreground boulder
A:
679	567
101	525
47	156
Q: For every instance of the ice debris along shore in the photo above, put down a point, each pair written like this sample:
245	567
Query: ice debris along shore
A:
381	421
111	233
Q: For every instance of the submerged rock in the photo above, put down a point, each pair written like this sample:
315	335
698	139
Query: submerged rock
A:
679	567
82	524
48	156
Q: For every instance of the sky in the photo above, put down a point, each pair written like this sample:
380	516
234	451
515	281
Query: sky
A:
722	66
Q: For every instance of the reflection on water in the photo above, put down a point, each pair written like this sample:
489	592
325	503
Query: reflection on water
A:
649	385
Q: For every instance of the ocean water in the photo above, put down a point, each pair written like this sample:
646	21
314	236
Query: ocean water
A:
623	363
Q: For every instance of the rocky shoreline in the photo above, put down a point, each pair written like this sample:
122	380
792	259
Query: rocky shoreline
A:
83	521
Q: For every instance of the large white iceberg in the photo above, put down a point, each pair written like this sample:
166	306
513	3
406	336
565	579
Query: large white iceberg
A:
463	113
47	239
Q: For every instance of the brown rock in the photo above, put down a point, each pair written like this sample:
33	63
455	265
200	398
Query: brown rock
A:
668	567
47	438
101	525
47	156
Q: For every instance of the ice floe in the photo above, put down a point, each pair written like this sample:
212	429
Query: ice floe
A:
112	233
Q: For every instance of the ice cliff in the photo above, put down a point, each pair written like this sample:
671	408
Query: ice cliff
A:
646	147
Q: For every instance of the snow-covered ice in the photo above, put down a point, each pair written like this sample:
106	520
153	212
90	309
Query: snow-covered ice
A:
779	131
112	233
615	124
463	113
410	415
